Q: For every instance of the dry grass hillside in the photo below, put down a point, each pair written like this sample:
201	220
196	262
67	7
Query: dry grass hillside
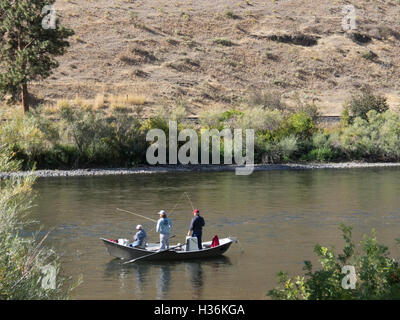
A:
206	54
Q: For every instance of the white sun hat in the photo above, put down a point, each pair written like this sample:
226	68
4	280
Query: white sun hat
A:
163	213
139	226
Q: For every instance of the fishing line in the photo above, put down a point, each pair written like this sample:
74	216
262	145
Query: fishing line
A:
177	203
240	246
191	203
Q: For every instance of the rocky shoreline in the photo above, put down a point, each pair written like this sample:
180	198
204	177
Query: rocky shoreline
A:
193	168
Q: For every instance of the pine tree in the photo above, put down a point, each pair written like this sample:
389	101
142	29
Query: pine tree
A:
29	43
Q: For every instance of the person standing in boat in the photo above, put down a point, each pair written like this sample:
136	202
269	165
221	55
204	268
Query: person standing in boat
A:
164	226
140	237
196	227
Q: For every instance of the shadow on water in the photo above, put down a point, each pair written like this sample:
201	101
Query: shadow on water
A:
162	273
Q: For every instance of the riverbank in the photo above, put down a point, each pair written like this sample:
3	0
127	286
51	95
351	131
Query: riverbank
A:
194	168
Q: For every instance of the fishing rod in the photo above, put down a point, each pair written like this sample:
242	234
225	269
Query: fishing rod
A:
153	220
139	215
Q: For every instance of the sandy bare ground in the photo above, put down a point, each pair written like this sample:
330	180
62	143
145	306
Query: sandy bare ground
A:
171	52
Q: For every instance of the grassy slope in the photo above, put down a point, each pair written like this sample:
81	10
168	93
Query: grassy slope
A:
165	50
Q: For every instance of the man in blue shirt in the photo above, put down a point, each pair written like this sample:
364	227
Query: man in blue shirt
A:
164	226
196	226
140	237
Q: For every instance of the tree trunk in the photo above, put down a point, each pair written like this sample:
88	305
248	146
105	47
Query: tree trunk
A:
24	93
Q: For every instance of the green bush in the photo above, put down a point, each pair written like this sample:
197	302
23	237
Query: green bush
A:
299	124
324	154
22	259
277	151
260	119
377	138
23	136
360	104
377	275
324	148
229	114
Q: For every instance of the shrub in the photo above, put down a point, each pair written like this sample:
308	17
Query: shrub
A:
369	55
23	135
22	258
87	130
230	14
259	119
310	109
377	274
275	152
324	148
223	42
377	138
360	104
323	154
229	114
211	119
267	100
299	124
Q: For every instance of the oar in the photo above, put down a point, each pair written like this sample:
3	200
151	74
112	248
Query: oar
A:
139	215
153	254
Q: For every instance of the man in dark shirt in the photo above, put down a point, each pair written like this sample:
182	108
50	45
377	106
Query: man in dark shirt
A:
196	226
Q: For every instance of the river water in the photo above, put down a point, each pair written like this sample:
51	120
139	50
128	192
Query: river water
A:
278	217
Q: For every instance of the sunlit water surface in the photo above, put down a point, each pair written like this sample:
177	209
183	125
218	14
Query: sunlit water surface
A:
278	217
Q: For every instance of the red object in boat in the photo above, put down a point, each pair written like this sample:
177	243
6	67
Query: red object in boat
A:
215	242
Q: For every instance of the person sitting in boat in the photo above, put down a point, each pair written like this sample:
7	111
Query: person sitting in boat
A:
140	237
164	226
196	226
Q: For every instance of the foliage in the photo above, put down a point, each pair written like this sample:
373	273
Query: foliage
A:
99	141
299	124
376	138
23	136
260	119
27	50
267	100
360	104
276	151
87	137
376	273
22	258
324	147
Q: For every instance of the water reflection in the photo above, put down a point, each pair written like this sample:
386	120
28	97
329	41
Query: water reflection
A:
195	270
141	272
160	275
164	281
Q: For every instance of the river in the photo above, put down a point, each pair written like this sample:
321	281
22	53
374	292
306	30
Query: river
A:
278	217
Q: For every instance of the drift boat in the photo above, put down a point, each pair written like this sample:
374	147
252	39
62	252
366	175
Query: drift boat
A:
179	252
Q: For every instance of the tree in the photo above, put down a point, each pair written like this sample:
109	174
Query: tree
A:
360	104
28	46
